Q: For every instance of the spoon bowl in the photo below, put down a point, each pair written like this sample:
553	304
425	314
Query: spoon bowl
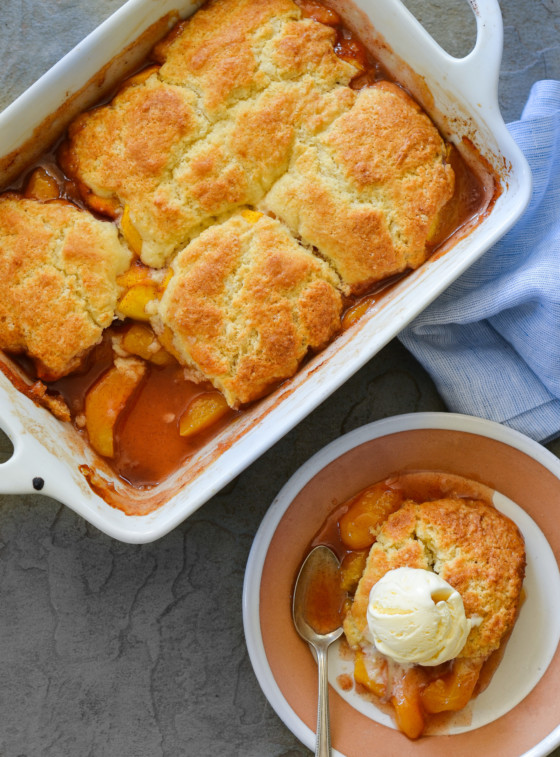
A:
316	610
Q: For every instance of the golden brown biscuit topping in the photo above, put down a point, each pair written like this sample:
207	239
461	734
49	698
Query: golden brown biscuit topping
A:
368	191
471	545
246	303
251	106
58	270
267	105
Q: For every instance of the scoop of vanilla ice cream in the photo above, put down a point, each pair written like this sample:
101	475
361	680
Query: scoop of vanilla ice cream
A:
414	616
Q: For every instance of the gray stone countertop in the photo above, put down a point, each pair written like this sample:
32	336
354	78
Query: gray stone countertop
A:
109	649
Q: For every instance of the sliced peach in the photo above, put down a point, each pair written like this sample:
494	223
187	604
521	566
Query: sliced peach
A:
137	273
139	339
351	569
107	399
454	690
204	410
140	287
359	524
107	206
166	279
376	684
134	301
355	312
130	232
406	701
166	339
42	186
352	51
319	12
252	216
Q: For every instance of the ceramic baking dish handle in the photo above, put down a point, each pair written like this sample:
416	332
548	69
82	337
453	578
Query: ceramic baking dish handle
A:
477	74
472	79
28	468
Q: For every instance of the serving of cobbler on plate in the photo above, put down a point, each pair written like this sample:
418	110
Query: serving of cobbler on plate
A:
435	573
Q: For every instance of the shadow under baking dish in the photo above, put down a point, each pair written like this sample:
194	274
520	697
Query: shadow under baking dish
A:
519	711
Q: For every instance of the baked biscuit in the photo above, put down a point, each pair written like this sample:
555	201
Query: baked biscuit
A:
239	159
121	153
58	291
470	544
245	304
368	191
230	50
213	128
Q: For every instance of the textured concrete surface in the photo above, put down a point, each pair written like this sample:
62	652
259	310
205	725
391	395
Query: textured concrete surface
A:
108	649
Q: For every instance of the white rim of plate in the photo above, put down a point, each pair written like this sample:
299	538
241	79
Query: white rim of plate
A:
267	528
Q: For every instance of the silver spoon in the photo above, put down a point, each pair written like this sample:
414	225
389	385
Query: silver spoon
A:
316	612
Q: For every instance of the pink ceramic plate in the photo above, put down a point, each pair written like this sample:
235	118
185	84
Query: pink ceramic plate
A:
519	713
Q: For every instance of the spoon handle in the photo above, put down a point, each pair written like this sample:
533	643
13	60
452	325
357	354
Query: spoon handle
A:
323	742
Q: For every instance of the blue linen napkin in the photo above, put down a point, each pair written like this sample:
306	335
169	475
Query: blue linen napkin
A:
491	341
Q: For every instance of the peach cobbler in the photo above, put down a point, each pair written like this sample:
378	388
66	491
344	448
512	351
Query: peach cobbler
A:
434	577
192	240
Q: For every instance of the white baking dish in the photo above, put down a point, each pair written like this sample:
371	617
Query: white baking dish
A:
461	96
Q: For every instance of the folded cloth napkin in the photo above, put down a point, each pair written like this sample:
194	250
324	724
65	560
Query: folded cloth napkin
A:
491	341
